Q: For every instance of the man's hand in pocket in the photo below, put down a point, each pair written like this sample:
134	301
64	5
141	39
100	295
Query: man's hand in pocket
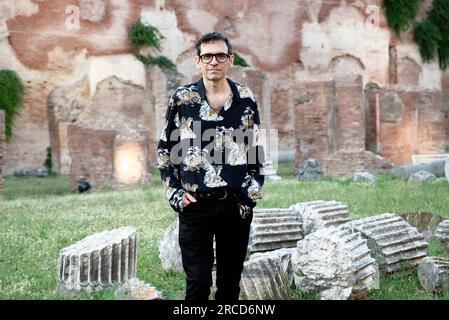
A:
187	199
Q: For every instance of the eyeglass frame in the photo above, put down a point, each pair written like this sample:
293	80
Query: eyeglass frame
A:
214	55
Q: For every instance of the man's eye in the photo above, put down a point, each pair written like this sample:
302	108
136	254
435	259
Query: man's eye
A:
207	56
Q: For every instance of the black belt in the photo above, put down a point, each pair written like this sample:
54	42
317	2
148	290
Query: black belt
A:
219	194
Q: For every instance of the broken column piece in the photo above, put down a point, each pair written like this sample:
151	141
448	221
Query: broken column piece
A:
169	250
433	273
442	234
283	257
274	228
318	214
395	244
262	279
98	261
335	263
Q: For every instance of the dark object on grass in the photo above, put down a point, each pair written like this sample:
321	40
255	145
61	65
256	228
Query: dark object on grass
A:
84	187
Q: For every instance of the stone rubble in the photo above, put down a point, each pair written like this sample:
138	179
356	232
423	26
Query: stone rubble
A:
169	250
320	214
422	176
262	279
364	177
283	256
433	273
97	261
334	263
274	228
394	243
135	289
442	234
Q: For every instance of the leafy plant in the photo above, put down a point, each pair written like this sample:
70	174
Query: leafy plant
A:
140	35
439	16
239	61
163	62
11	98
400	14
145	60
427	37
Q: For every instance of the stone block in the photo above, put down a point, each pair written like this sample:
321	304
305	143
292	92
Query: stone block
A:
98	261
334	263
442	234
274	228
394	243
433	273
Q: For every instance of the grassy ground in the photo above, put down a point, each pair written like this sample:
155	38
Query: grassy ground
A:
40	216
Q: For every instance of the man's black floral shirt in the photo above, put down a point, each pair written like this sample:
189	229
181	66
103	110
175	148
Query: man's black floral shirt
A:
201	149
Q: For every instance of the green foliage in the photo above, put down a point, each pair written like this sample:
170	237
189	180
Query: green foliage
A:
427	37
239	61
145	60
439	16
140	35
11	97
163	62
400	14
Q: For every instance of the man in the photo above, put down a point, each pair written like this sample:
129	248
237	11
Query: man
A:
215	182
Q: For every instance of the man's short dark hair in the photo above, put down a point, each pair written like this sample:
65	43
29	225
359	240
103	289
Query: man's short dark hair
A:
211	37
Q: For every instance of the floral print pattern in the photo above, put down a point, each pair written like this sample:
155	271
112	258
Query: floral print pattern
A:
197	166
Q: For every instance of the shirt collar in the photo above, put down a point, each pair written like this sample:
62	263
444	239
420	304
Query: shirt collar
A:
202	90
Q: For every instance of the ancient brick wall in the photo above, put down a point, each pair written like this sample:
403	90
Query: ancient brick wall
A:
350	113
299	40
330	124
315	119
107	157
412	121
92	156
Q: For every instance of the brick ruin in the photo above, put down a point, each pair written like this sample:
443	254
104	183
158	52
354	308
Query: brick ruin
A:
330	126
399	107
100	139
108	157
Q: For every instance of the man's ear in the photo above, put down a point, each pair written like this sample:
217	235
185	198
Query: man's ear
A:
197	62
231	59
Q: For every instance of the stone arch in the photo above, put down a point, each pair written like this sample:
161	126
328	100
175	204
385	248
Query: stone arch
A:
345	64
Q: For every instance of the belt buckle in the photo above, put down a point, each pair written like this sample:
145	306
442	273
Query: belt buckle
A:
225	195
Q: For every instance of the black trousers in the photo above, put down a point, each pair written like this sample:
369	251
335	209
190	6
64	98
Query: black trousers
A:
198	223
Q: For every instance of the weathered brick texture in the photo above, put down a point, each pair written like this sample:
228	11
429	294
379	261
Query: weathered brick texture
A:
104	158
331	126
412	121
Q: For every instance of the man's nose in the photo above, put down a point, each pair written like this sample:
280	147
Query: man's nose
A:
214	60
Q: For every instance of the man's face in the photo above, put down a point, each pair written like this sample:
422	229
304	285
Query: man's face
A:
214	70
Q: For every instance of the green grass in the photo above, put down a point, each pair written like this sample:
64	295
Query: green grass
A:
40	216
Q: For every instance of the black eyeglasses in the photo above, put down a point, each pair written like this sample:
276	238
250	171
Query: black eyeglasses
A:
221	57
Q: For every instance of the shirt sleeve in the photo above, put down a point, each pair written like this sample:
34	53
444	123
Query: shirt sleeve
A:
168	168
255	179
